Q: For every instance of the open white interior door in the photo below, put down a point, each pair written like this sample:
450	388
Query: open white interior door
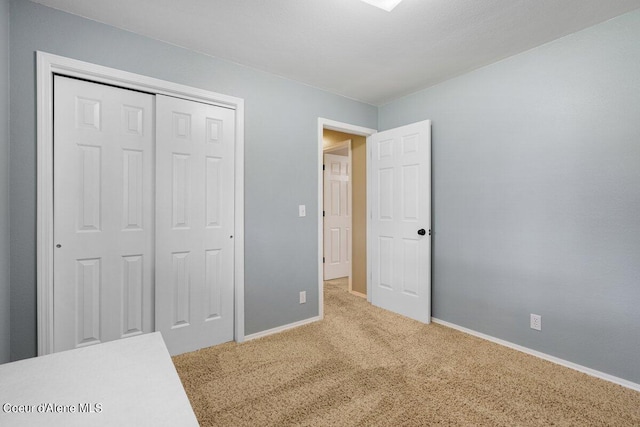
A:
337	216
400	232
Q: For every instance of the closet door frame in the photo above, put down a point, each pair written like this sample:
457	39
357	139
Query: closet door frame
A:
49	65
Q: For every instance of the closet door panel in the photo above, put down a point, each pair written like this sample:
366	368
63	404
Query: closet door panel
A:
103	213
194	223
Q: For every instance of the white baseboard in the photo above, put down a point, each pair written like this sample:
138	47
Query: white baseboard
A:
556	360
358	294
281	328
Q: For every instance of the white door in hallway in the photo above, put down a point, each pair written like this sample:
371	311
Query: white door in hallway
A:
337	216
194	223
103	222
400	241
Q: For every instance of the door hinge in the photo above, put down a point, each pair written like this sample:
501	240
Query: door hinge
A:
323	213
322	167
323	260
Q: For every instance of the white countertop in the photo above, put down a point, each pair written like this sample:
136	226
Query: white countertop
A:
129	382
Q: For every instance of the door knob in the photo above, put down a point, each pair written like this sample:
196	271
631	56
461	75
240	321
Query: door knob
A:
422	232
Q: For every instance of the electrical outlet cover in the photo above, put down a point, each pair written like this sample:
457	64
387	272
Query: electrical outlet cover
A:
536	322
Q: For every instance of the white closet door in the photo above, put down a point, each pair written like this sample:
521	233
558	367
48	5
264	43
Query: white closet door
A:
194	223
400	241
103	223
337	216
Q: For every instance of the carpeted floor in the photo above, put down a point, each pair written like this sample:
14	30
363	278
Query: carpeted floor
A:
368	367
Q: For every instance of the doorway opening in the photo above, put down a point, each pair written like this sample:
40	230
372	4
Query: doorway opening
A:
338	140
344	211
398	214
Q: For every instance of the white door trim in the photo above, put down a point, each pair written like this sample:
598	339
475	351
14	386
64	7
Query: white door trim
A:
47	66
355	130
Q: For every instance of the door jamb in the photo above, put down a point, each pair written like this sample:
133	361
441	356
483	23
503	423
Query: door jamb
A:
47	66
355	130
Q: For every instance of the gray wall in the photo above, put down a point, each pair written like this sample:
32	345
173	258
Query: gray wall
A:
536	196
4	181
535	172
280	159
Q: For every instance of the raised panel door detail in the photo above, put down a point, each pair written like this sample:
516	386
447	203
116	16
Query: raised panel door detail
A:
410	262
214	130
88	113
335	168
181	278
335	245
88	284
345	197
410	144
410	185
213	265
182	125
385	269
385	194
132	298
132	192
90	203
213	191
181	188
335	198
385	149
132	118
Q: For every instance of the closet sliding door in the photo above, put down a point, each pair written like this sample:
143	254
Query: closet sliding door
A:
194	223
103	213
143	217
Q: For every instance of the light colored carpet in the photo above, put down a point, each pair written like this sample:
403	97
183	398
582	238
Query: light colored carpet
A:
363	366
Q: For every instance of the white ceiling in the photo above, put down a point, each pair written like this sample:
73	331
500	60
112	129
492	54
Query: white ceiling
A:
349	47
